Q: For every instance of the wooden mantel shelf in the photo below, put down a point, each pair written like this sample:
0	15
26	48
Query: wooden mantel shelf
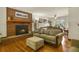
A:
19	21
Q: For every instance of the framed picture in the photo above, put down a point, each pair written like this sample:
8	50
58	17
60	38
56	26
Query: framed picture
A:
21	15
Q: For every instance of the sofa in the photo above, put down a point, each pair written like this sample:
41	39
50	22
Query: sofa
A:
50	35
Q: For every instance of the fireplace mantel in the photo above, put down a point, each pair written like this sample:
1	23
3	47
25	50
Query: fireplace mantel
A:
18	21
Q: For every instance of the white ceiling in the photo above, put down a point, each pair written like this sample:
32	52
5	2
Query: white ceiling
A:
45	11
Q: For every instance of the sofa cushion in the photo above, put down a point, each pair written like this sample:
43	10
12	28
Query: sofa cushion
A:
41	31
48	37
49	31
36	31
36	34
53	31
56	31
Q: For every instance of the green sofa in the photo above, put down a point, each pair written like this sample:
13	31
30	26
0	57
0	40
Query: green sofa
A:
50	35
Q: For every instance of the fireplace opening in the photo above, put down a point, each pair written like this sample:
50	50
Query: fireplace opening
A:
21	29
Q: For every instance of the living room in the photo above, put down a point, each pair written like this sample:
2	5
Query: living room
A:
41	29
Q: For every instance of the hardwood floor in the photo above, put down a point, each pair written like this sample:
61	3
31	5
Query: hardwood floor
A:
19	45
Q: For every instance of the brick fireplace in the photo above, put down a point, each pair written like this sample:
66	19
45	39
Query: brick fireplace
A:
18	24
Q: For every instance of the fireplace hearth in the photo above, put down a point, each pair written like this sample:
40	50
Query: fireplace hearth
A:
21	29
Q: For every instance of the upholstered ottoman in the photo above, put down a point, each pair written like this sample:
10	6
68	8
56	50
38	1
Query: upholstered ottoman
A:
35	42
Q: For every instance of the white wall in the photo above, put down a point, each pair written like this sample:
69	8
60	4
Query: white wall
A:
3	22
60	13
65	18
73	23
